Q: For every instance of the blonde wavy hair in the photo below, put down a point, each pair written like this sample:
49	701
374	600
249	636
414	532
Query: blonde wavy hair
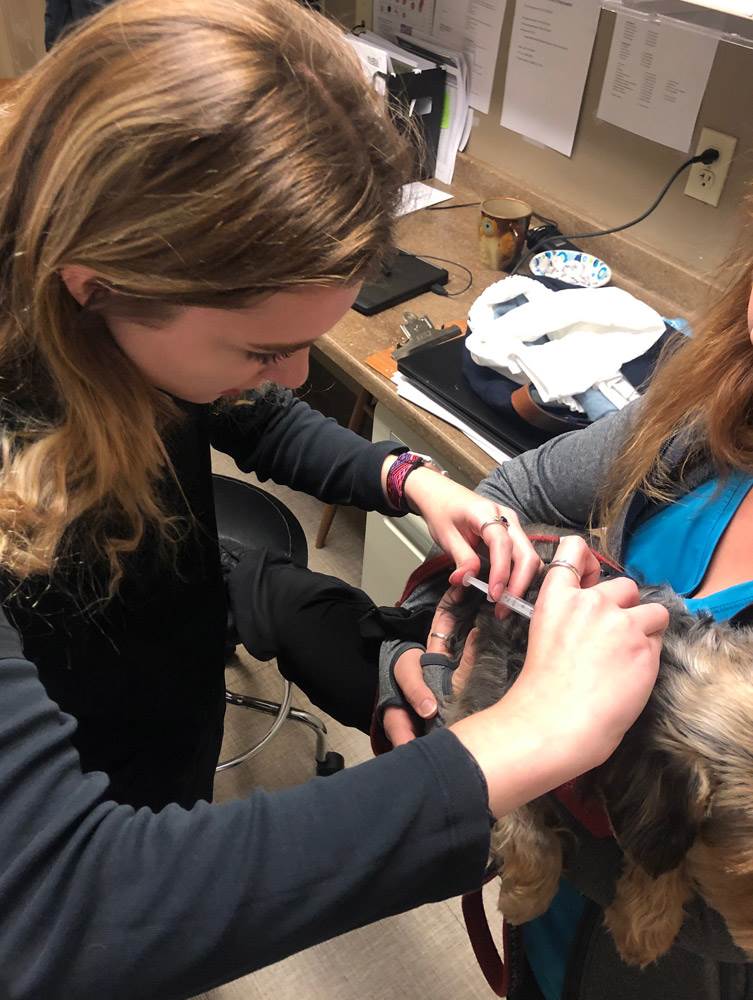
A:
703	389
191	153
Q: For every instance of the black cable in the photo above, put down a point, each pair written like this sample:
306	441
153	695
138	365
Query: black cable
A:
443	208
707	157
440	289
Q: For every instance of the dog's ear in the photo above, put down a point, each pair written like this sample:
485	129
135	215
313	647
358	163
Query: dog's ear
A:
656	815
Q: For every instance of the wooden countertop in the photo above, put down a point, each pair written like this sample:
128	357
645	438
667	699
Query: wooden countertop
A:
453	234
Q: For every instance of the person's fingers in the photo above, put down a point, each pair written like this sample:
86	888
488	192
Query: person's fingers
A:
577	563
526	566
623	591
410	680
465	557
651	619
467	660
438	641
498	540
398	725
592	573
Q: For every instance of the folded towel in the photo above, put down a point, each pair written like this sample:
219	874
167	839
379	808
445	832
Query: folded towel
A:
564	342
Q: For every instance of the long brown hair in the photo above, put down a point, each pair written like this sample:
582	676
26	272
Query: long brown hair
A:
703	389
190	152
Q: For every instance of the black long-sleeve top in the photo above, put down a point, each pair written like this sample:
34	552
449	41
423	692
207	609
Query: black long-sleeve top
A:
143	674
99	899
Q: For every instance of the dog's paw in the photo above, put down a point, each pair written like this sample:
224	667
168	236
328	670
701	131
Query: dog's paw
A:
646	914
520	902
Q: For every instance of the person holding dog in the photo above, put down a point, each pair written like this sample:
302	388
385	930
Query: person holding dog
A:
186	204
668	481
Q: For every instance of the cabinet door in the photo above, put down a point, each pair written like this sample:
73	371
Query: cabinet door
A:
390	557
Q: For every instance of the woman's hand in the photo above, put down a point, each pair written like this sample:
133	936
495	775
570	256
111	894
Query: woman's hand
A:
458	518
401	725
592	662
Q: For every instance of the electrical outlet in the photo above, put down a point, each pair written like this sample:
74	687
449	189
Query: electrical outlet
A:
706	183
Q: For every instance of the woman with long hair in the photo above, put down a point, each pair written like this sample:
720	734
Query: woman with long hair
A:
668	482
191	192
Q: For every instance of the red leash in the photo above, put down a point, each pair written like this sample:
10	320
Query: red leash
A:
486	952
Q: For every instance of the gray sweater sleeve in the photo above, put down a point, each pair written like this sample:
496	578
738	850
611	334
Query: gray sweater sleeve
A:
99	900
558	482
279	437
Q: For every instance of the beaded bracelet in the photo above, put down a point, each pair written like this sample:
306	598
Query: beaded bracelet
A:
399	471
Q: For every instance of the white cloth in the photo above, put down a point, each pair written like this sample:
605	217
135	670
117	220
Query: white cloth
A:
591	333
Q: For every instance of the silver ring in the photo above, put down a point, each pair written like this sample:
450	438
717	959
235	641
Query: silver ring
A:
566	564
499	519
439	635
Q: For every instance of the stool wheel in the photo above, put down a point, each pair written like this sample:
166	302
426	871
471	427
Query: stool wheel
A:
332	763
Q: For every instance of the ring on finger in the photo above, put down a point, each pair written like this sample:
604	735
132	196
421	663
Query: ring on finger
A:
566	564
439	635
499	519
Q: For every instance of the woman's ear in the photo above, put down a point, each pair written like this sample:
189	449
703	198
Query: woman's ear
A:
79	280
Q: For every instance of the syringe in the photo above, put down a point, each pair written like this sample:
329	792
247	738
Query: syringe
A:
516	604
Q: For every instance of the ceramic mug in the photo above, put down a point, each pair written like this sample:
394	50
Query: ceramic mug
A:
502	231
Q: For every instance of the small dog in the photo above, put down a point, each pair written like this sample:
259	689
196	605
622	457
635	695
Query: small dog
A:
678	791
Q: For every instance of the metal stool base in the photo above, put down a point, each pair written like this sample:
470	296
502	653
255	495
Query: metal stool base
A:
327	761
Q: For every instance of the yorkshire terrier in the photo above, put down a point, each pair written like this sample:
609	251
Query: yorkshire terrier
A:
678	791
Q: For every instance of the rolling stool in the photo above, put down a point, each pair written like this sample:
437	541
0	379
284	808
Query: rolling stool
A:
250	518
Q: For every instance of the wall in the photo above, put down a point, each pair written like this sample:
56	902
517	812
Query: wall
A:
614	175
21	35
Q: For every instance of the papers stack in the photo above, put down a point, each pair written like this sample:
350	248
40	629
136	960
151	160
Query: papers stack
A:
381	57
457	118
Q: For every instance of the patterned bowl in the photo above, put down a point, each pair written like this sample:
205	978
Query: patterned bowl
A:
572	266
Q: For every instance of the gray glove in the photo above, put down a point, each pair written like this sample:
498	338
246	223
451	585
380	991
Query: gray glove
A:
389	693
437	669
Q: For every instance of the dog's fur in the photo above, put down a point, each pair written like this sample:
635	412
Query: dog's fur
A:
678	791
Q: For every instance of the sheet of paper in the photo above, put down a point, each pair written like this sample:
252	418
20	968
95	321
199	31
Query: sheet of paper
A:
655	79
418	195
474	27
396	17
547	65
407	390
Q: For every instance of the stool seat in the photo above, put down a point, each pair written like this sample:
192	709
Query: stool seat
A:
250	518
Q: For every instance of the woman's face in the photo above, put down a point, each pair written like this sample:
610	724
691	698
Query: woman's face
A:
206	353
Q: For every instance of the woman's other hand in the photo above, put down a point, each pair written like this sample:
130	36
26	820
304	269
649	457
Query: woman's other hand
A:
457	518
401	724
592	661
